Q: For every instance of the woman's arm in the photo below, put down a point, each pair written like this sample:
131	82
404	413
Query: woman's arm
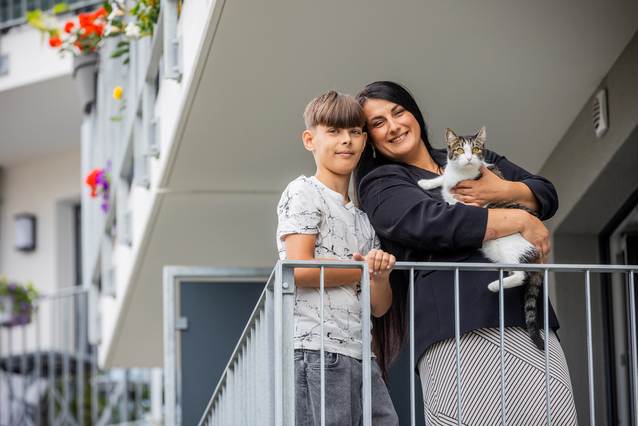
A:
519	186
490	188
502	222
402	212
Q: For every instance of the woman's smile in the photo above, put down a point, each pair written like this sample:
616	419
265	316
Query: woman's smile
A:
398	139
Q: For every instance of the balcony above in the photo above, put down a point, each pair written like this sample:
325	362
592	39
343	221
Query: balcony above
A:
515	68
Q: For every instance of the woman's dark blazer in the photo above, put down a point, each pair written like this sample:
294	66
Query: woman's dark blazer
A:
417	225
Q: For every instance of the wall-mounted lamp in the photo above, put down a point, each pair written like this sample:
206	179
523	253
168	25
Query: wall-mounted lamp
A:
25	232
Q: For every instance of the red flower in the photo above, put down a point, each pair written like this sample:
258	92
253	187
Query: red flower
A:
88	30
85	19
68	27
55	41
91	181
99	12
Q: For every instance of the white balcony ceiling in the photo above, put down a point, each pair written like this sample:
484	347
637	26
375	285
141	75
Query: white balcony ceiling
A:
523	69
38	119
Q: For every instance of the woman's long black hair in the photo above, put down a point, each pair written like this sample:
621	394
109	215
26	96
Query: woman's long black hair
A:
389	331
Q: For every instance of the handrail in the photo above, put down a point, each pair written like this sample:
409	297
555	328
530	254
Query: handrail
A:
218	404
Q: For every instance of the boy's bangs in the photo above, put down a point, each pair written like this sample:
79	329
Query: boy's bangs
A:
334	110
344	113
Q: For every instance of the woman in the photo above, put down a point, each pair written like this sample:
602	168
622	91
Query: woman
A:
417	225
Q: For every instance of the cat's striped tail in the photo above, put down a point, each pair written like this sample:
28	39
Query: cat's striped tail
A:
532	292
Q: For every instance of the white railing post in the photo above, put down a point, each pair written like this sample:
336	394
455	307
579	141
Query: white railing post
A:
172	68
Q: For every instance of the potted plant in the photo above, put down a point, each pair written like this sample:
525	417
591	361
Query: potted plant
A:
81	36
16	303
99	180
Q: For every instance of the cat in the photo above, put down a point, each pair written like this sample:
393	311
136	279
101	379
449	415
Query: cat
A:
465	157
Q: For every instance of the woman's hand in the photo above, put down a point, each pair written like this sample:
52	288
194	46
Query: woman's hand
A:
489	188
536	233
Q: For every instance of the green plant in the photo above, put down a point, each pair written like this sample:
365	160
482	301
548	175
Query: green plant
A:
22	297
144	14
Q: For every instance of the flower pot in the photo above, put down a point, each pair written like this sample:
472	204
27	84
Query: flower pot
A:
6	310
85	78
10	318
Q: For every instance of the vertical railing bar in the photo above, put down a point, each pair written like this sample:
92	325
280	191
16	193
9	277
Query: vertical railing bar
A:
79	366
94	385
546	326
457	339
634	345
51	362
137	410
322	351
1	373
37	361
10	372
278	338
501	332
590	353
367	346
23	366
64	319
412	361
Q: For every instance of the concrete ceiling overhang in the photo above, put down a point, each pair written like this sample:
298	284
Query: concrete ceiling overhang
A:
38	119
523	69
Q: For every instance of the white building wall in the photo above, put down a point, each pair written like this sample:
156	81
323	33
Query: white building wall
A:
137	200
30	58
46	187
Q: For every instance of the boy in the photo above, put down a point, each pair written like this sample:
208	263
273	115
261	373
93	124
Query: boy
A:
317	220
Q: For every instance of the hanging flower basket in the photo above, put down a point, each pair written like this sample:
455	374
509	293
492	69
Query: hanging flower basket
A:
99	180
16	303
85	78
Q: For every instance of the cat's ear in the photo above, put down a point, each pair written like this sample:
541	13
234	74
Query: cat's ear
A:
450	136
481	136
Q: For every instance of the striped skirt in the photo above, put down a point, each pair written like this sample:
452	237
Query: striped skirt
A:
525	400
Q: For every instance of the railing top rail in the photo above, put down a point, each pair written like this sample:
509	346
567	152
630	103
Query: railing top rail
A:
451	266
63	292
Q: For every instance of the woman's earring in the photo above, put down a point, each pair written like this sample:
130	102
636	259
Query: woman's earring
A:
374	152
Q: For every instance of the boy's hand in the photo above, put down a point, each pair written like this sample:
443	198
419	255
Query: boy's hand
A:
379	262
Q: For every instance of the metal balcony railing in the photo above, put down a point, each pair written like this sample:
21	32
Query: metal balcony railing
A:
14	12
258	383
49	373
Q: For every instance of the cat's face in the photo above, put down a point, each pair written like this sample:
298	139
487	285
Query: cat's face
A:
465	151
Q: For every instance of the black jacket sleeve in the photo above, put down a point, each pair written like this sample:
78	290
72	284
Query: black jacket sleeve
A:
401	211
542	189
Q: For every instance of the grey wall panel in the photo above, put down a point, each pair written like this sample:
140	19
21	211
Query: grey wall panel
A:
217	313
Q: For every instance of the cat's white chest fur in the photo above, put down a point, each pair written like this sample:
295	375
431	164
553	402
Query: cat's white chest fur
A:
448	180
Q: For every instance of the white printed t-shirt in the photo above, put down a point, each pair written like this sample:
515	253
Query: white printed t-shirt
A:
307	206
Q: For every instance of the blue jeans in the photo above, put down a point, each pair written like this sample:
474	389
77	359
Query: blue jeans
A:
342	392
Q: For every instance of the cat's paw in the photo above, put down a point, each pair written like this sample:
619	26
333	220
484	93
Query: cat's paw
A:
428	184
508	282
